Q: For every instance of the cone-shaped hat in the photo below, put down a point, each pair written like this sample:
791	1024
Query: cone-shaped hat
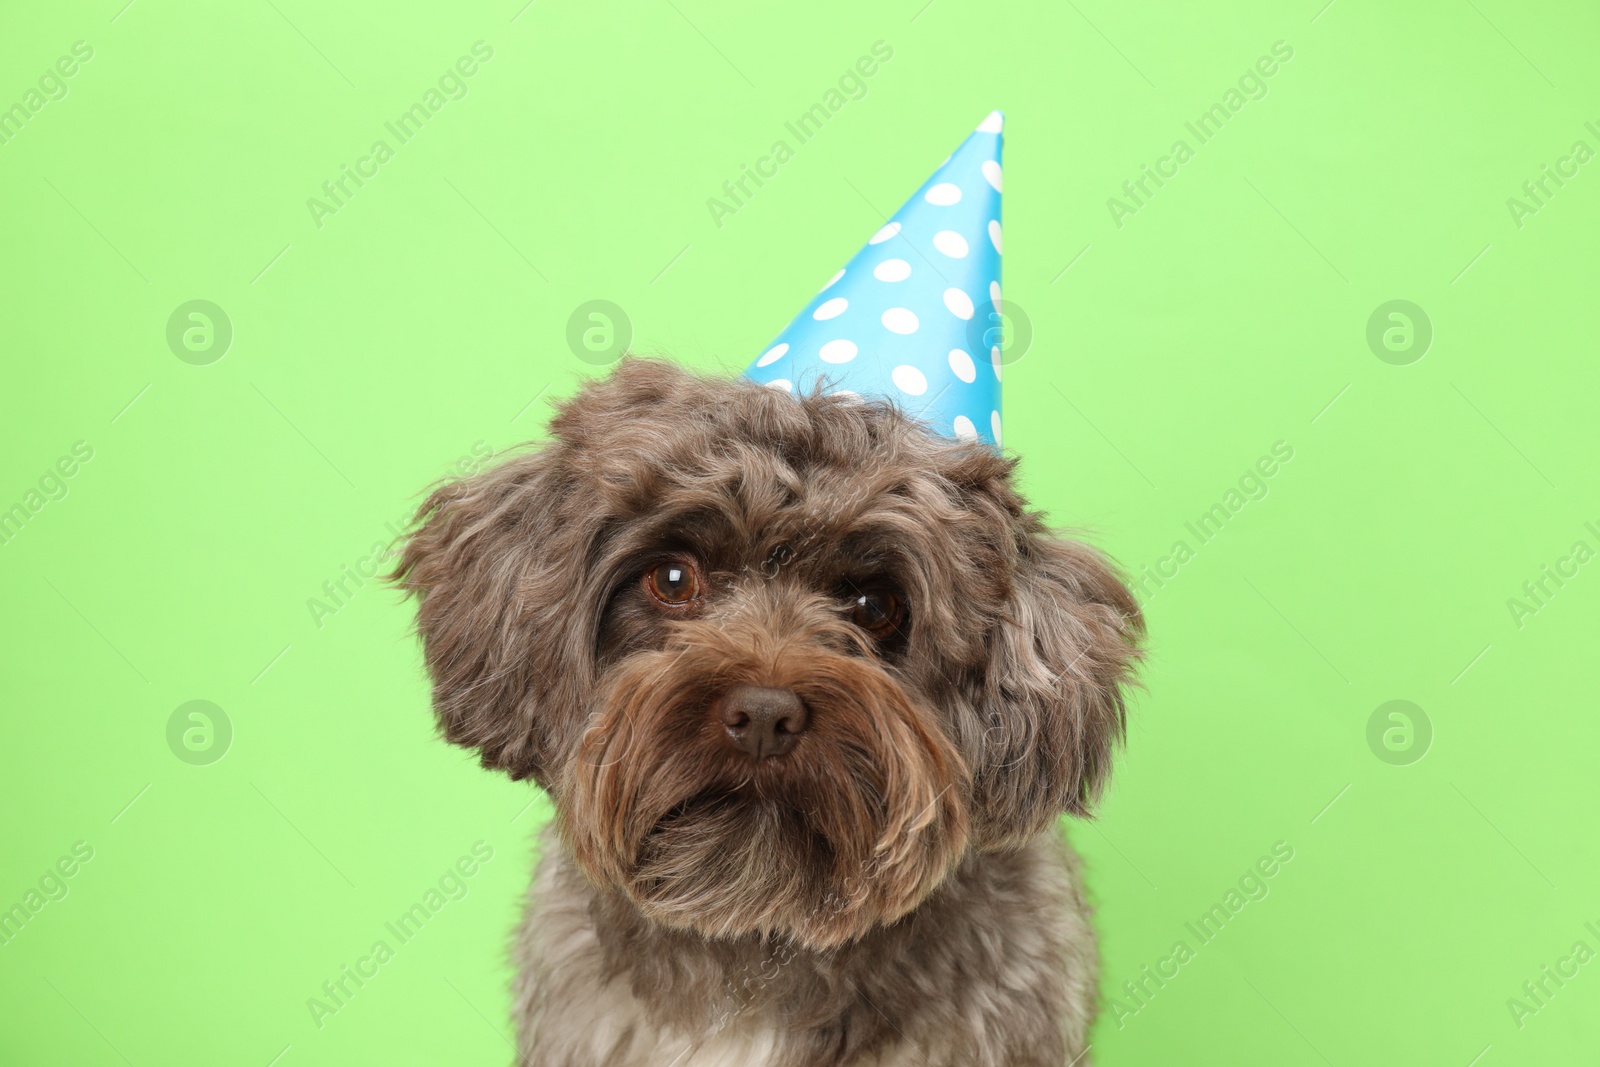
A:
911	317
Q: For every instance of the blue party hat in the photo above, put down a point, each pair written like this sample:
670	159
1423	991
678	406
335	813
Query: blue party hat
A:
910	317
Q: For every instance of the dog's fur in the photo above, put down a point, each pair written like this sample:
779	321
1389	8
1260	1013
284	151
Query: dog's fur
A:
895	889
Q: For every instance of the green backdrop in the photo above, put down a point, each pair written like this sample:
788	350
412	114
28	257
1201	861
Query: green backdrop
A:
195	495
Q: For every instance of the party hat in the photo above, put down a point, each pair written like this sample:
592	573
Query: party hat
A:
914	316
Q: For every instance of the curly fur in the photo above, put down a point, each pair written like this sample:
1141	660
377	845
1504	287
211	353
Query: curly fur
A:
890	891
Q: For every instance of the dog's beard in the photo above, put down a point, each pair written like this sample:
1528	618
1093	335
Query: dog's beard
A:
853	828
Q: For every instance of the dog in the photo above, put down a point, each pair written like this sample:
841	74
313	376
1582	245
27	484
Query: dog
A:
810	689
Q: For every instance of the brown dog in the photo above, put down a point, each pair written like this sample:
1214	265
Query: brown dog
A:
810	689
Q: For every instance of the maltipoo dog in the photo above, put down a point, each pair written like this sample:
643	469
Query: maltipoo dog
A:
810	689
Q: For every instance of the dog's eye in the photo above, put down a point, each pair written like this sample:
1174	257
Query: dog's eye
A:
674	583
878	611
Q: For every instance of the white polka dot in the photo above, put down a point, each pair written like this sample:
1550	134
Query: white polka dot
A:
994	425
909	379
962	365
964	429
992	124
994	234
994	362
994	293
884	234
772	355
892	270
831	280
991	174
944	194
959	303
840	351
950	243
900	320
783	385
831	309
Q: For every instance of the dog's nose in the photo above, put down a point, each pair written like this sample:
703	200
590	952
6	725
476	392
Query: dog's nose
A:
762	721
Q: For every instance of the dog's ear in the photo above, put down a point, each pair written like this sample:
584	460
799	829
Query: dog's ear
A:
494	565
1052	696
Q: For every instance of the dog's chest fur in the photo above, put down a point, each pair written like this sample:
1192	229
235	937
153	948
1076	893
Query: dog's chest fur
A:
996	968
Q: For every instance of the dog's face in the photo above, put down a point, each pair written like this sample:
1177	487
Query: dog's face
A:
779	662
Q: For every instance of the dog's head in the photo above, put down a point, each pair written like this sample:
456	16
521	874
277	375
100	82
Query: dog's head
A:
780	663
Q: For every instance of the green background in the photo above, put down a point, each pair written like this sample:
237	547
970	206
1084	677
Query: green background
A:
424	324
